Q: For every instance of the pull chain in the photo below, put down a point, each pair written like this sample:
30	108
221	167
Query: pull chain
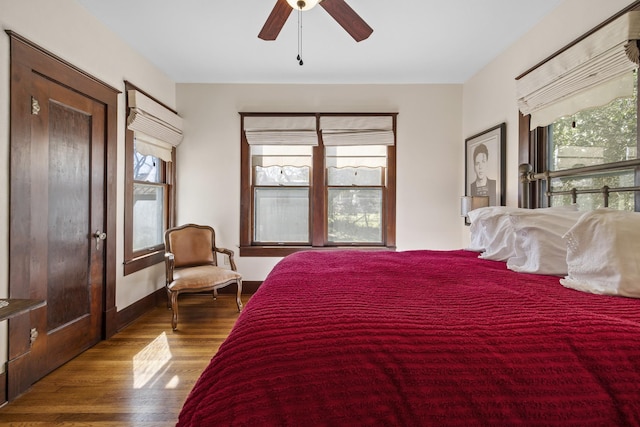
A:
299	58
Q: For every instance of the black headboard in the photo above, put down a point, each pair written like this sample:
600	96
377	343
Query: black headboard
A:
527	176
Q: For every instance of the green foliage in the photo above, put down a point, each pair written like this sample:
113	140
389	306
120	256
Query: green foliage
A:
612	127
607	134
354	215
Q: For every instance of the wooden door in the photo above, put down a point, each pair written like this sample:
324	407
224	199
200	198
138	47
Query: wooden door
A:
62	192
68	139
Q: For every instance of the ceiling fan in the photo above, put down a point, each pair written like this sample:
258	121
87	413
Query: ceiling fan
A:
338	9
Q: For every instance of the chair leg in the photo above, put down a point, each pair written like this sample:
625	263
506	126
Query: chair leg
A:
215	294
168	297
238	300
174	309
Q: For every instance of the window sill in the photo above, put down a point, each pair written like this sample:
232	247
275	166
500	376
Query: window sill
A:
143	261
281	251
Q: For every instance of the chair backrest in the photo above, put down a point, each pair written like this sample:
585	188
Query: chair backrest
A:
191	245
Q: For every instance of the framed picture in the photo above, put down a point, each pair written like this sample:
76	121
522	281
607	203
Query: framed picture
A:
485	165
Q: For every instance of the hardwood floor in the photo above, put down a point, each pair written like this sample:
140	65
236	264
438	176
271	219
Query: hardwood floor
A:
139	377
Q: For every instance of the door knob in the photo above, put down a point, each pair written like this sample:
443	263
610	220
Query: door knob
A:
98	235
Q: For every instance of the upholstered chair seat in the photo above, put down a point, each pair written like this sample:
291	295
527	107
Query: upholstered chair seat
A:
201	276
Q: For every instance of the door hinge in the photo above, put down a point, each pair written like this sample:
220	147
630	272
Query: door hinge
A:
35	106
33	335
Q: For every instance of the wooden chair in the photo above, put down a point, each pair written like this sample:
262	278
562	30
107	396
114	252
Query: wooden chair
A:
192	266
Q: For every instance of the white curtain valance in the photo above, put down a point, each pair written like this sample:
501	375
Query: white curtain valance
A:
281	130
357	130
602	64
150	146
150	118
602	95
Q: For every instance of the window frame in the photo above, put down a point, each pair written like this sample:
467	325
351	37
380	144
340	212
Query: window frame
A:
533	144
141	259
318	193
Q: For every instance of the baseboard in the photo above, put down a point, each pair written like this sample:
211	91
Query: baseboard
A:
140	307
109	322
248	287
3	386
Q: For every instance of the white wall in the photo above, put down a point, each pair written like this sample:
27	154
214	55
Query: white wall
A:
429	154
68	31
489	96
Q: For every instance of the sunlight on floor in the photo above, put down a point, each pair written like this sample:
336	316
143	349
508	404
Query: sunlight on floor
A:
150	360
173	382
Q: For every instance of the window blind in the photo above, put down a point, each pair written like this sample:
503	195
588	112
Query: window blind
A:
148	117
357	130
280	130
590	73
150	146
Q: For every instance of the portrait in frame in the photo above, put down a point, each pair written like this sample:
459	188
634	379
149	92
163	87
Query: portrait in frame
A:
485	165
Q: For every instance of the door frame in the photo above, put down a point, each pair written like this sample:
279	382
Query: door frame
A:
27	59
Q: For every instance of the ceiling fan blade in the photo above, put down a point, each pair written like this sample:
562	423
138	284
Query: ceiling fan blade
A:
276	20
347	18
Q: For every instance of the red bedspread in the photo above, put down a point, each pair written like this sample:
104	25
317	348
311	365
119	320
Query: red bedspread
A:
421	338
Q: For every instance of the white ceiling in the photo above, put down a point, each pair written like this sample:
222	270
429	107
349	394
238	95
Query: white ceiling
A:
414	41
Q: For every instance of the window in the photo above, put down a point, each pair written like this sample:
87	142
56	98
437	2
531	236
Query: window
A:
355	193
281	196
149	207
317	181
149	194
149	181
595	136
581	106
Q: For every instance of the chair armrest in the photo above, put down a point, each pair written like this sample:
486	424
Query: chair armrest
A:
229	253
169	260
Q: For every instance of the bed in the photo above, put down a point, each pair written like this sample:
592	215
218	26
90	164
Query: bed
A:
350	337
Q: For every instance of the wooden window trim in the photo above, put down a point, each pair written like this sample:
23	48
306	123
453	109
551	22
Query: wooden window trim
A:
139	260
318	192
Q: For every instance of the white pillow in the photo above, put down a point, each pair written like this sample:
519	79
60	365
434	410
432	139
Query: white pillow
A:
500	241
603	253
489	231
539	244
492	231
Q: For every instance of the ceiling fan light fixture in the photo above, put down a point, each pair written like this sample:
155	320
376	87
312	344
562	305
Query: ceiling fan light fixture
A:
303	4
